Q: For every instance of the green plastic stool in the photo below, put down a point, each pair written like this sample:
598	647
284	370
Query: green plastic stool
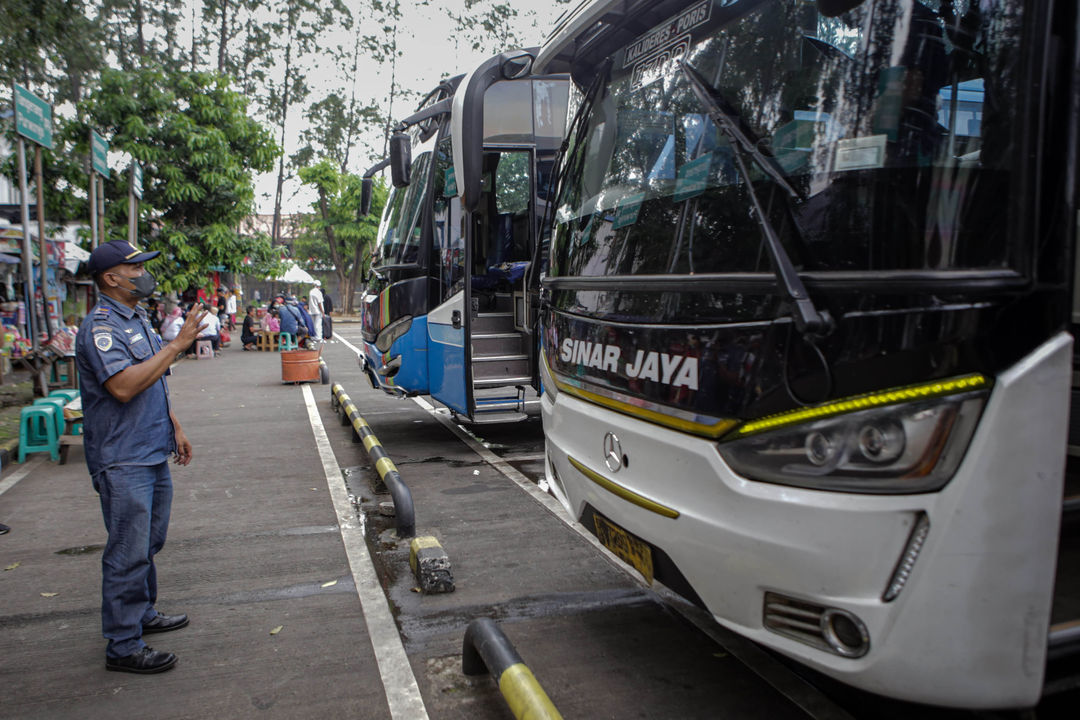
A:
59	403
286	341
69	394
29	430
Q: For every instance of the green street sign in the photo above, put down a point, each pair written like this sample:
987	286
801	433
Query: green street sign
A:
33	117
136	179
99	154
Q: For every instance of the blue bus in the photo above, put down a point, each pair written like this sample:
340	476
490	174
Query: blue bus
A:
446	309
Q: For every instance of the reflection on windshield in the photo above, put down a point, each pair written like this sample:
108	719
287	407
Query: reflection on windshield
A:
399	233
894	124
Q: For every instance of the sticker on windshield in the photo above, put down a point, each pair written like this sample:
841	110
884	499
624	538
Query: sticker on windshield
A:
693	178
860	153
626	210
650	53
450	183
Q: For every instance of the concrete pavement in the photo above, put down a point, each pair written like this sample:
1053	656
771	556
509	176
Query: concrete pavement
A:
255	537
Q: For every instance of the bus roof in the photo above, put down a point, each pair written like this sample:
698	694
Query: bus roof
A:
558	50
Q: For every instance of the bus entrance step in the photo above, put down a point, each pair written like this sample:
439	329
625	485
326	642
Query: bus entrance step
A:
491	418
490	382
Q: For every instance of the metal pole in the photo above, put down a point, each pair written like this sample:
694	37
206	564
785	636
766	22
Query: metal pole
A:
101	210
133	207
43	242
27	263
93	209
91	293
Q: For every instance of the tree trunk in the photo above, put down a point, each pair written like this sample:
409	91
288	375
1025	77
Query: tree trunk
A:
354	272
139	29
352	108
223	36
275	233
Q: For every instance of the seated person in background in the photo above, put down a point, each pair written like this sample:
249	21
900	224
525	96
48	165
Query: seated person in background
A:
247	332
170	326
209	332
270	322
290	318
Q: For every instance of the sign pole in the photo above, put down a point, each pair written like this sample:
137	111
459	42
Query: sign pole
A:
135	191
101	210
27	263
132	208
91	300
43	242
92	195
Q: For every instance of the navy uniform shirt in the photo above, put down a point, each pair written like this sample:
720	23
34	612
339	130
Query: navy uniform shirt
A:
139	432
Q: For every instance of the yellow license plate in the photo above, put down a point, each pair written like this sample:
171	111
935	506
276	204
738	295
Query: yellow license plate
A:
628	548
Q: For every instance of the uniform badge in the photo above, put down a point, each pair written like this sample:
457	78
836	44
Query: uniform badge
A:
103	341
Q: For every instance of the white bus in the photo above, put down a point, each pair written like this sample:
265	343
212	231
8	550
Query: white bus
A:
806	351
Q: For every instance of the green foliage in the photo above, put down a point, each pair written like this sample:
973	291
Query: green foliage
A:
48	44
334	235
488	24
199	150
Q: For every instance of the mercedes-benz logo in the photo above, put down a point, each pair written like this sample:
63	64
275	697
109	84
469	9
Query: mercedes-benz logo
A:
612	452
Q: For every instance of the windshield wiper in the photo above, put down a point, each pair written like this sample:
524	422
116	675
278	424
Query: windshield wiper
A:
808	320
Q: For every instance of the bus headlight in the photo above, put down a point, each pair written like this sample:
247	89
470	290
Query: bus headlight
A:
392	332
907	448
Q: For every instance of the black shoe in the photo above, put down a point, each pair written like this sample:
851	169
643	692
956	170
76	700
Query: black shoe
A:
165	623
145	662
4	529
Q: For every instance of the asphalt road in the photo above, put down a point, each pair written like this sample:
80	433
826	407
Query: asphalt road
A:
301	598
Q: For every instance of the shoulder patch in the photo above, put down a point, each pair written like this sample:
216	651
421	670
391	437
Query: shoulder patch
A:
103	341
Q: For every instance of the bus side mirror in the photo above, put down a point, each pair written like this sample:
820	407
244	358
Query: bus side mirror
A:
516	65
832	8
365	197
400	159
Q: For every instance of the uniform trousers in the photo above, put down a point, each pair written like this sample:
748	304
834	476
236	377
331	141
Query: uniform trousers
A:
135	503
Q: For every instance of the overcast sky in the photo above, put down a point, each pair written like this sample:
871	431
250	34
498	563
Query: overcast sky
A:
429	54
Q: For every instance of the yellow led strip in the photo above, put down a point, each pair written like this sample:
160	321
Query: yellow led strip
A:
712	431
625	493
863	402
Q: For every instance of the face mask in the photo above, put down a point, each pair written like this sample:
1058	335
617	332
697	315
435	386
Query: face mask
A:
144	285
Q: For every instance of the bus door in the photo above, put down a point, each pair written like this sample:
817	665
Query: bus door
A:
448	370
499	251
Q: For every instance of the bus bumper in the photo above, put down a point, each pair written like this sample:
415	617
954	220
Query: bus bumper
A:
968	629
403	370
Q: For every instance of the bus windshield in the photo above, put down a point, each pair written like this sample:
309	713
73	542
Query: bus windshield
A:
882	140
399	233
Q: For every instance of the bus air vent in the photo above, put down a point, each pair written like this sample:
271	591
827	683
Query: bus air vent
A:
830	629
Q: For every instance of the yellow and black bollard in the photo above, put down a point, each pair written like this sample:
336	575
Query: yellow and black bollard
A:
487	648
388	472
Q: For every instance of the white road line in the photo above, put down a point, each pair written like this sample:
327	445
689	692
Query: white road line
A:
9	482
402	692
348	344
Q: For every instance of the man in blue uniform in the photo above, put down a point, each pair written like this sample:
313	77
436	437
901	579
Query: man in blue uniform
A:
129	433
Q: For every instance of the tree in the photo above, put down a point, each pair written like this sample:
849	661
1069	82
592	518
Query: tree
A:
199	151
334	234
489	25
300	24
48	44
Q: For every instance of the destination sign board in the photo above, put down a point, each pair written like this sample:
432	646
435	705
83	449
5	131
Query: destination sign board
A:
99	154
33	117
